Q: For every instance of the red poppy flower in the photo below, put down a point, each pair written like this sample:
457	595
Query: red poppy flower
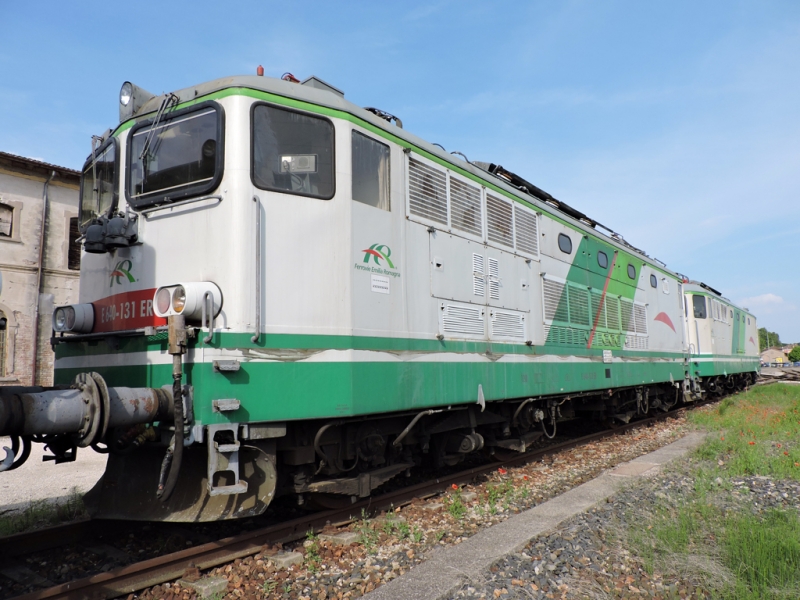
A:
502	471
779	445
454	486
785	453
752	443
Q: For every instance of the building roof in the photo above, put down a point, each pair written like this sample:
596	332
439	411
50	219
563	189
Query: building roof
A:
43	168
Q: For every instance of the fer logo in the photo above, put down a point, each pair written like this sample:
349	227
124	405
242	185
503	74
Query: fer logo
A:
378	252
122	269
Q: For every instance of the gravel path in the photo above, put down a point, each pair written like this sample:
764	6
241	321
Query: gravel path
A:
586	556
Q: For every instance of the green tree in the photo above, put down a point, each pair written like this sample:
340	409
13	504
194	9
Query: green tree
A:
767	339
794	355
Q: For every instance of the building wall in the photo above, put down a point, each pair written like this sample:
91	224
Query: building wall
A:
21	188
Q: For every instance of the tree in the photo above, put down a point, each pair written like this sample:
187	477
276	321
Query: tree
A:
794	355
767	339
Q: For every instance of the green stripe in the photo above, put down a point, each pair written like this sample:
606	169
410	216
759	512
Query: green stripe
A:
289	391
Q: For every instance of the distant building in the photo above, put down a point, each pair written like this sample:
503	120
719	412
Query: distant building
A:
771	355
40	265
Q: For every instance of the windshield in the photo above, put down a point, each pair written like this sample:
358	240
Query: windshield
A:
182	158
97	185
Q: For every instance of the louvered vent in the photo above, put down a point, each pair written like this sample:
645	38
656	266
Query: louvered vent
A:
554	308
462	321
626	314
598	310
478	275
427	191
526	231
465	207
636	342
494	279
578	306
499	222
565	336
640	317
612	312
507	325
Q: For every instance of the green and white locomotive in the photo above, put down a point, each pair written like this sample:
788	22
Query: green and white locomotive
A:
284	294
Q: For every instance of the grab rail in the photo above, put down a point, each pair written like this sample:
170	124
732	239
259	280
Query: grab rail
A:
257	334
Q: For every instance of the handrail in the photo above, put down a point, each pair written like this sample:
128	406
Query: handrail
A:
208	308
148	211
257	334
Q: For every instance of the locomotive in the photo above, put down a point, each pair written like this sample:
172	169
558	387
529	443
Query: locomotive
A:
285	294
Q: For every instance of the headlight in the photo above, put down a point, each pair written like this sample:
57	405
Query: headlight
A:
187	299
78	318
126	93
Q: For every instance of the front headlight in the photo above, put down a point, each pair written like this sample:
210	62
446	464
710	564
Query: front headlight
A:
126	93
77	318
187	299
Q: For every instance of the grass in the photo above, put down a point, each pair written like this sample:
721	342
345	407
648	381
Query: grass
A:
312	557
42	513
705	533
757	433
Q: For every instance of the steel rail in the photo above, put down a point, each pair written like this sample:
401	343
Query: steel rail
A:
131	578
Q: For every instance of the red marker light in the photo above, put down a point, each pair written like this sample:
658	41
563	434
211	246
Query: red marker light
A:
260	71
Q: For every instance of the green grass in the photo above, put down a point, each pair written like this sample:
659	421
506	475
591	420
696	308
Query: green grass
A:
756	433
710	536
41	513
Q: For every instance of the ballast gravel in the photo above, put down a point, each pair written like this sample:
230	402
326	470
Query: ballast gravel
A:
585	557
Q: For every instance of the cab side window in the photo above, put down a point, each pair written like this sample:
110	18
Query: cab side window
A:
370	171
699	305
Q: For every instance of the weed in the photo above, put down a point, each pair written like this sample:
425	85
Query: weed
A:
403	530
417	535
367	535
269	586
313	558
455	505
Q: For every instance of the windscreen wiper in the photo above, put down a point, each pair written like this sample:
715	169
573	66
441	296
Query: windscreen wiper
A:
168	101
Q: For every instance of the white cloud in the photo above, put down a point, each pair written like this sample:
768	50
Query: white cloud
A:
763	299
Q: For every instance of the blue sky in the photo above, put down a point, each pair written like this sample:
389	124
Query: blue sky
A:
675	123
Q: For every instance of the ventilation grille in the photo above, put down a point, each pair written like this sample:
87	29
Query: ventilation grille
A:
554	309
578	306
626	315
636	342
499	221
612	312
465	208
507	325
462	321
427	191
478	279
494	279
598	309
565	336
526	231
640	318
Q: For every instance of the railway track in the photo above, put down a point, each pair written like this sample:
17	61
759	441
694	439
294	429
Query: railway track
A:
147	573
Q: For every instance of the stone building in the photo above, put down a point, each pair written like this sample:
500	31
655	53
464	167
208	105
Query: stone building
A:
39	264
